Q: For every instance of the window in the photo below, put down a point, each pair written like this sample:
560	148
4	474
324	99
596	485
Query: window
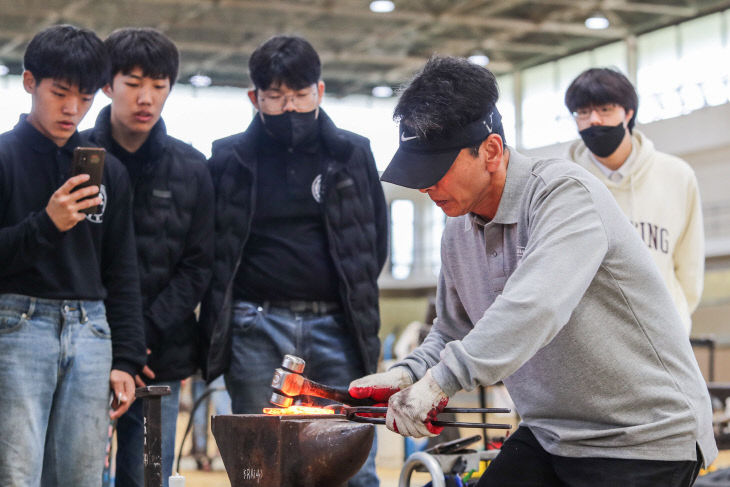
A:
541	106
401	231
683	68
506	107
704	56
438	222
657	79
545	119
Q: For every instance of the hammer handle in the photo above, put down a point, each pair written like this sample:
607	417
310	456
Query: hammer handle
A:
311	388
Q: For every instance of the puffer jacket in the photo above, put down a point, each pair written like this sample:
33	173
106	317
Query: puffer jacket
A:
355	220
173	223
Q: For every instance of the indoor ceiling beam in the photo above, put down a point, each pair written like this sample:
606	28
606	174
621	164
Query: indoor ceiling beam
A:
325	55
624	6
24	36
577	29
651	8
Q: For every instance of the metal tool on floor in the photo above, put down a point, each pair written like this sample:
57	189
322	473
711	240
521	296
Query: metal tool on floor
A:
152	409
446	461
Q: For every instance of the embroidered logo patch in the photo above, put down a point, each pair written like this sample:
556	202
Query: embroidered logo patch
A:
98	217
520	251
317	188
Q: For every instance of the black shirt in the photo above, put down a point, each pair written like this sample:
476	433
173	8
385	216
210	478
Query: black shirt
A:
95	260
133	161
287	256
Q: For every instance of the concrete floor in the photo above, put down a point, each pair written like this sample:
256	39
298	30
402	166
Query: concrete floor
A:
388	476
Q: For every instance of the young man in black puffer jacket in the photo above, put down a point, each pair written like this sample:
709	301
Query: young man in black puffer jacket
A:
301	236
173	221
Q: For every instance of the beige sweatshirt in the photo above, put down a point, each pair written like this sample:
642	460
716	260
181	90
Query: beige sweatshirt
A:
661	198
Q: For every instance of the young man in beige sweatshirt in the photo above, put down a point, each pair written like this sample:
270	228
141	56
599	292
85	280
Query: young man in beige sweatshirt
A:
657	192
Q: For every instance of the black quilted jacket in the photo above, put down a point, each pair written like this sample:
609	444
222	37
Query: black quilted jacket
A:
173	223
355	219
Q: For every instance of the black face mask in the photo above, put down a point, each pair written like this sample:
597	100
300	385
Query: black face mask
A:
603	140
292	128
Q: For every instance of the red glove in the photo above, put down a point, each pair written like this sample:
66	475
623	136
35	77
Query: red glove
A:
381	386
411	411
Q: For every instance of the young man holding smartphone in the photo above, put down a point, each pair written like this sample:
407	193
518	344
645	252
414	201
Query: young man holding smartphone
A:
173	221
70	309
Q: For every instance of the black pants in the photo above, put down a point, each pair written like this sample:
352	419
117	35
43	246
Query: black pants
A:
522	462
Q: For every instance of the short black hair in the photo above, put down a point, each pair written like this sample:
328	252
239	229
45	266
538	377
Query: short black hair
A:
289	60
598	86
68	53
148	49
448	93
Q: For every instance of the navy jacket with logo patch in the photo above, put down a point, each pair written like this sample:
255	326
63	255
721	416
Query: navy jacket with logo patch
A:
355	220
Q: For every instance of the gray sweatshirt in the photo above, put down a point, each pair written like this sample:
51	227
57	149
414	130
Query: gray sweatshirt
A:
558	297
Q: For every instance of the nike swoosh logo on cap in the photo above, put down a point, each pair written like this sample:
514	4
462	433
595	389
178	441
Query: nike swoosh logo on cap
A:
489	126
403	137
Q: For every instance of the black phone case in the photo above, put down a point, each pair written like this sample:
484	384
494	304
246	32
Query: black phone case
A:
89	160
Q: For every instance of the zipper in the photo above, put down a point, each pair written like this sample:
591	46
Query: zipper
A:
330	172
229	286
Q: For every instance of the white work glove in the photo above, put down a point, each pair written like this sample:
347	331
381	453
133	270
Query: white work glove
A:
381	386
411	410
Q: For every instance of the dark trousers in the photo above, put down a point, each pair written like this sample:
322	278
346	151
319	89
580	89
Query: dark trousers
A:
522	462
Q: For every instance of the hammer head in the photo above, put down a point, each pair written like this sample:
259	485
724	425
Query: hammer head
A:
287	381
280	400
293	363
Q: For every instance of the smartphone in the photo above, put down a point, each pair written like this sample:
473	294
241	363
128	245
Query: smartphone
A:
89	160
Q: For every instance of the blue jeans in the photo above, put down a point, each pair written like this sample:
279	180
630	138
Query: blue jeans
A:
130	440
55	360
261	338
221	405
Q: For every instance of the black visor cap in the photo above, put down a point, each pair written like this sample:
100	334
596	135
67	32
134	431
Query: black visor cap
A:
420	163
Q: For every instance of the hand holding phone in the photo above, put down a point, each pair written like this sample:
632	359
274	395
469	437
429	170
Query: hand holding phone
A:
88	160
67	203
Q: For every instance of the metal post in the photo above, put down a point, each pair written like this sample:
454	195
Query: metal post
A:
483	404
152	409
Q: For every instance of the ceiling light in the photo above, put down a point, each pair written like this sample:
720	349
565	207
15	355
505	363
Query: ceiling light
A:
479	59
382	91
597	21
4	70
382	6
200	81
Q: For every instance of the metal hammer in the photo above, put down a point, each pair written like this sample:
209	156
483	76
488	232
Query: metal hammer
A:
288	382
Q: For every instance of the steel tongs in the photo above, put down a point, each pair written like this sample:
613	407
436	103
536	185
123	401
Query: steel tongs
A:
353	413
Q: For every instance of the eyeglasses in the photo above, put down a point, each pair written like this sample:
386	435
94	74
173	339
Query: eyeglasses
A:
603	111
274	102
